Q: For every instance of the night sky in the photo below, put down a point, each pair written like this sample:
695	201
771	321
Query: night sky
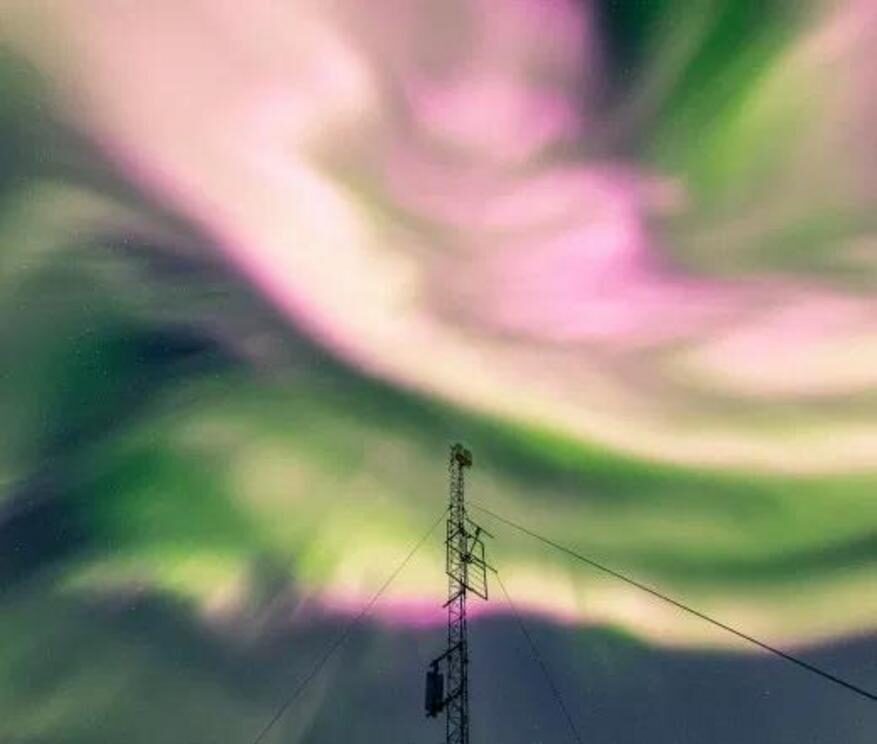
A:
262	263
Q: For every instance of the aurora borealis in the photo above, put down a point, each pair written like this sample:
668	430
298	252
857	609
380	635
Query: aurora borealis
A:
261	262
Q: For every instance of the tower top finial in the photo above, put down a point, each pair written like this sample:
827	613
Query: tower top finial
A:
461	455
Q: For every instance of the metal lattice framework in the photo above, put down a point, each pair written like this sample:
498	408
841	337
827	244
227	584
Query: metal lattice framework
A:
467	572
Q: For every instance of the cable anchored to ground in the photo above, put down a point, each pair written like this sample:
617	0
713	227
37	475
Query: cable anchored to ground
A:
828	676
344	635
555	691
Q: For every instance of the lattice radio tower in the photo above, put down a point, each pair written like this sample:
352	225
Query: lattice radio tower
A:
466	568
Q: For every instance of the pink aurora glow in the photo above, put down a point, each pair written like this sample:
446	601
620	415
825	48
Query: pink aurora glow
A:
411	202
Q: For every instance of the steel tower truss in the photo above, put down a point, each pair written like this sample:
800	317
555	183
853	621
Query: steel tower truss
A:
466	569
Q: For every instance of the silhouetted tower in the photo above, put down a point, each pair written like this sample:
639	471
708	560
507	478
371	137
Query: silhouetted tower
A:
466	568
